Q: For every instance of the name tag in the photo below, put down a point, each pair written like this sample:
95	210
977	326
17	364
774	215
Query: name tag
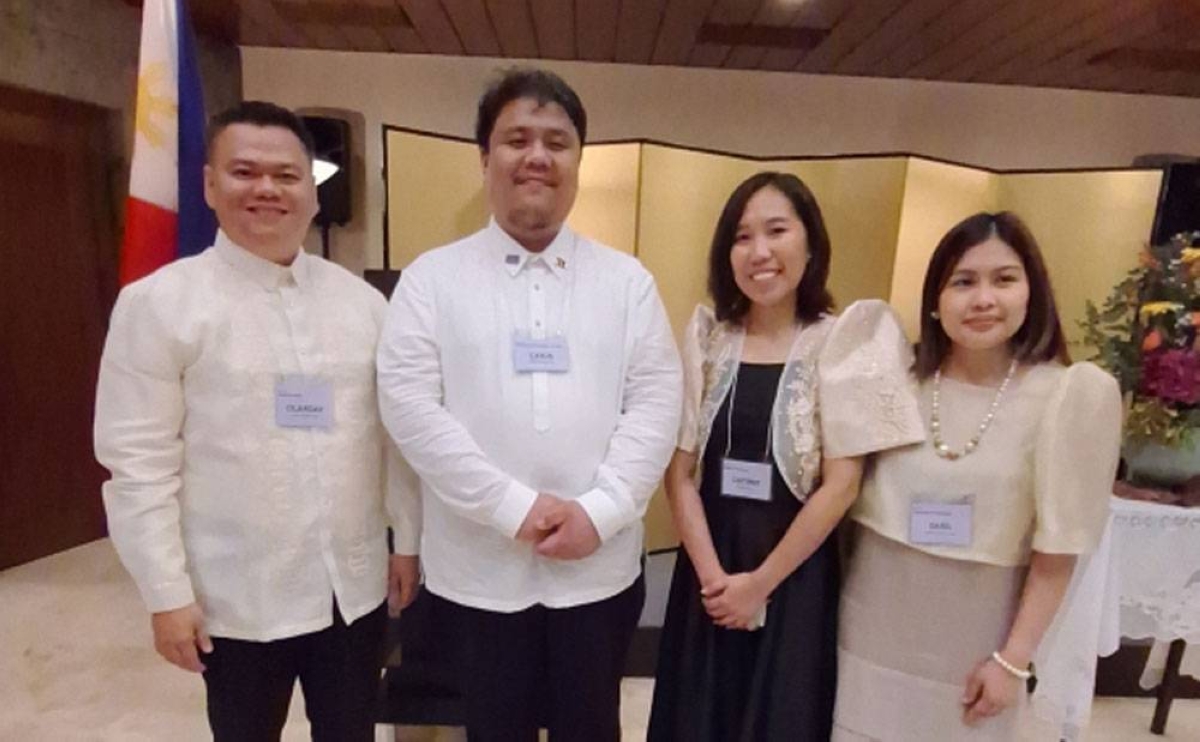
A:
547	354
940	523
304	402
749	480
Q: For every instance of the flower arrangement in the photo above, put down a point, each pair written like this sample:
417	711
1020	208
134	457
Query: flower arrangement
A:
1146	335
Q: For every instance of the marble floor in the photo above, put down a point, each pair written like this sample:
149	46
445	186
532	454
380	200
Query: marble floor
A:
78	665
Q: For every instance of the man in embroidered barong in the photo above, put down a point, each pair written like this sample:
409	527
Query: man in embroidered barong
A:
530	377
252	483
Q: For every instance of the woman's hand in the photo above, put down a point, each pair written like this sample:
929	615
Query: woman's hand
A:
990	689
712	580
736	601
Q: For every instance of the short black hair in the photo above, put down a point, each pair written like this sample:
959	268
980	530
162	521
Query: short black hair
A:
523	82
812	297
259	113
1040	337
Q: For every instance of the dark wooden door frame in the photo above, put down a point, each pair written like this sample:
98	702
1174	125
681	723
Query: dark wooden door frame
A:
58	244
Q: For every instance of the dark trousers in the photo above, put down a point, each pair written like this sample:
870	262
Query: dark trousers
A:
250	683
555	667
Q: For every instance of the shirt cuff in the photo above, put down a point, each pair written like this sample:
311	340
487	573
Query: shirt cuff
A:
604	513
514	507
169	596
406	541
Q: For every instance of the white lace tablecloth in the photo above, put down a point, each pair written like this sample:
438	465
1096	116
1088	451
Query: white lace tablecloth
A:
1143	582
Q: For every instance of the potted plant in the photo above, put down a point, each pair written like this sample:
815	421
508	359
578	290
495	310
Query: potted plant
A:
1145	335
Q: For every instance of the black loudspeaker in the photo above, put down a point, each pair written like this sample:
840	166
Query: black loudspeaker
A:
332	137
1178	202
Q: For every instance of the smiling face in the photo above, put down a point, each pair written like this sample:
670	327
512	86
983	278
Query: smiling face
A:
259	182
531	170
770	249
985	299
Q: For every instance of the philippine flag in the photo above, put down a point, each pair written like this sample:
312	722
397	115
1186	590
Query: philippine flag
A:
165	215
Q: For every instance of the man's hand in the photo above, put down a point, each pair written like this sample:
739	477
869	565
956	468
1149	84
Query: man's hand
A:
989	690
736	602
571	533
536	525
404	580
177	635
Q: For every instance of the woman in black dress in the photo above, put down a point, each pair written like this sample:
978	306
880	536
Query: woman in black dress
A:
781	403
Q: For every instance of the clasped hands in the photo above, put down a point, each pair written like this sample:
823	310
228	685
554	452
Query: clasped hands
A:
559	529
735	601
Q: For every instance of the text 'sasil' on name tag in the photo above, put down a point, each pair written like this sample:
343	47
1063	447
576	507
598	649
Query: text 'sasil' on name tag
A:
749	480
303	402
940	523
547	354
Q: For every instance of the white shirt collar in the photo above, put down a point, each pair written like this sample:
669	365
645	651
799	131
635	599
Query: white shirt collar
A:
557	256
265	273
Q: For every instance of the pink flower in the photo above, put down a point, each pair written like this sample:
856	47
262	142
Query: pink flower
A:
1172	375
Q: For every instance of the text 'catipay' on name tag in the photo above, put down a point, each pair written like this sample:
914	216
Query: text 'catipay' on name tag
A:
749	480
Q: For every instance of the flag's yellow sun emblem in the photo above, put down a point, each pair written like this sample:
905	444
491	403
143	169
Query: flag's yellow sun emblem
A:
150	105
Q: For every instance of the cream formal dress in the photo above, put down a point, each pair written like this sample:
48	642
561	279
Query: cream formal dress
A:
915	619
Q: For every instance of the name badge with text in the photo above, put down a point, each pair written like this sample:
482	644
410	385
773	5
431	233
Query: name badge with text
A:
549	355
303	402
749	480
940	523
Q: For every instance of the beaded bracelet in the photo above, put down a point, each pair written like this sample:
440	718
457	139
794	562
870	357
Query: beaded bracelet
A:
1010	668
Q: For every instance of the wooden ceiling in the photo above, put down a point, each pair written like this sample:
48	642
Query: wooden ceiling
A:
1133	46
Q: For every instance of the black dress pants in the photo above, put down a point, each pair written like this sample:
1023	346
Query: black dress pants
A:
250	683
559	668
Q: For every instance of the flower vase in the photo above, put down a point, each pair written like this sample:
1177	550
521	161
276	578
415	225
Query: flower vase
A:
1163	466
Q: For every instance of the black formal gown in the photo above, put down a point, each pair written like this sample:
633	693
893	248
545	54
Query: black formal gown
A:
776	683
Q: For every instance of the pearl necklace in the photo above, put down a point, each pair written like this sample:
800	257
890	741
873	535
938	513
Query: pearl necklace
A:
935	417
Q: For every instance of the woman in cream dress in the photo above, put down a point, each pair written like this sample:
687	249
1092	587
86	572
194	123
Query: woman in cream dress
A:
781	403
967	541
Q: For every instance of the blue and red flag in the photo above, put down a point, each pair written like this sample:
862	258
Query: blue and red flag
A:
165	214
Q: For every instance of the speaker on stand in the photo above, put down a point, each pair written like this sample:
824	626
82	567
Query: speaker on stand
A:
331	167
1178	202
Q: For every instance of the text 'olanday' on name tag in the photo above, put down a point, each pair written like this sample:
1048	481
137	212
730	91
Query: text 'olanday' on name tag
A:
304	402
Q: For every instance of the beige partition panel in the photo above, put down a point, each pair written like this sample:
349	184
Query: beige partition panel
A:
681	198
683	193
936	197
1090	226
860	198
435	194
606	208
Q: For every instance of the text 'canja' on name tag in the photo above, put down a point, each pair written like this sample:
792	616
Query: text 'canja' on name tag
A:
749	480
940	523
549	355
304	402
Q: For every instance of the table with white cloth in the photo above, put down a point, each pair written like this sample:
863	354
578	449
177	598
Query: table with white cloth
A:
1142	582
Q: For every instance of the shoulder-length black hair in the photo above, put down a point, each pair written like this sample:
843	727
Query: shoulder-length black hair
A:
1040	337
812	298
